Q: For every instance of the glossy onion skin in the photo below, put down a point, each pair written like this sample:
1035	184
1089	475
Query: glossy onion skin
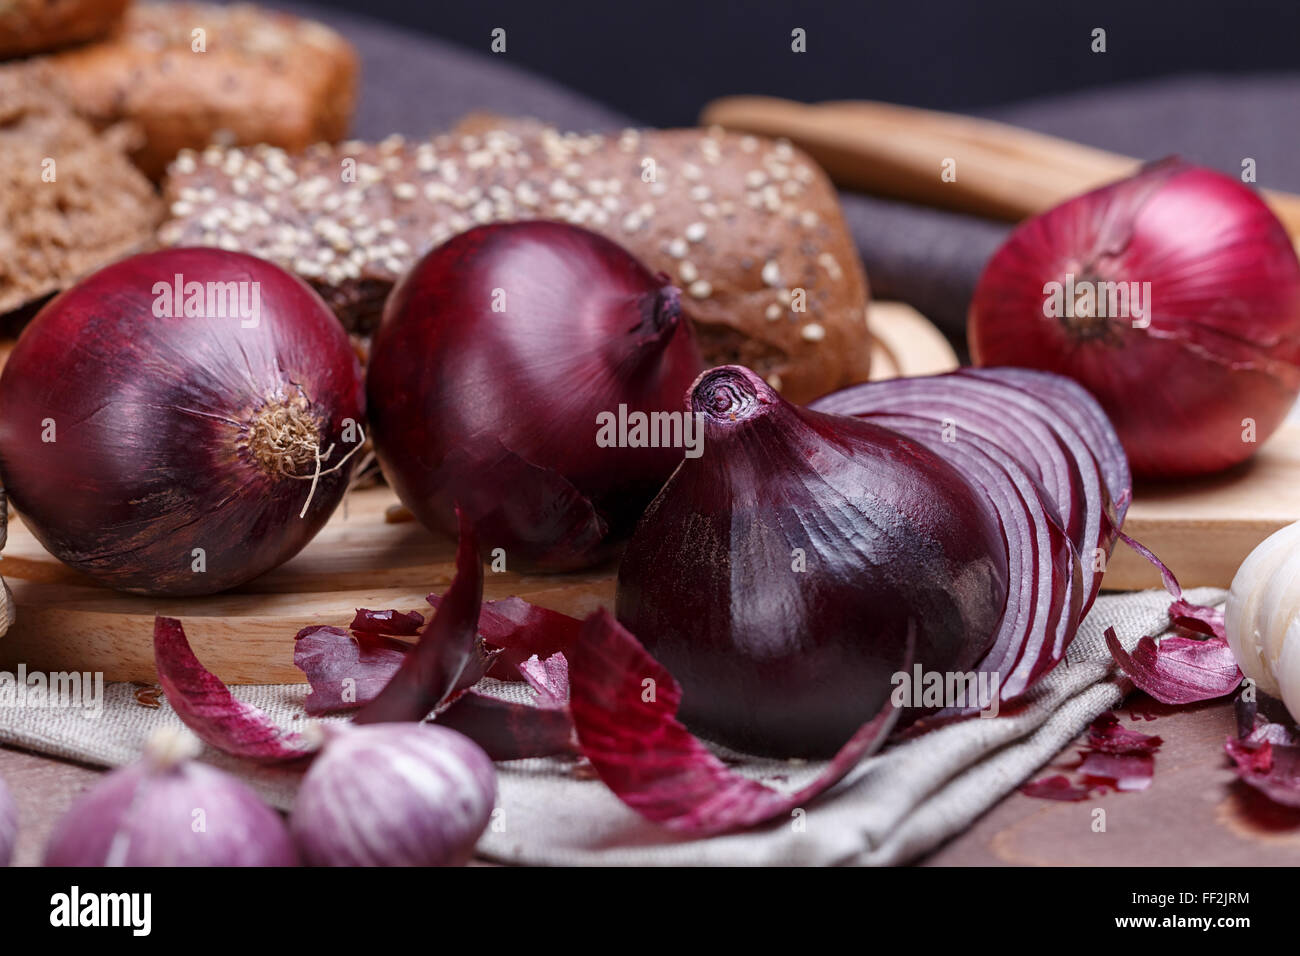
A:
394	795
790	663
144	815
497	410
152	419
1224	339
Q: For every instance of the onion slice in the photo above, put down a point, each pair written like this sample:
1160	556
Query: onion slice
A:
1062	451
1178	670
206	706
1043	611
624	707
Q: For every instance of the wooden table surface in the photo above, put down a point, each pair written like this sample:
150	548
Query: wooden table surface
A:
1194	814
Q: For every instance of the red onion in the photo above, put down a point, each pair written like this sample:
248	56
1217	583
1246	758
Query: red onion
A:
1207	363
8	825
777	576
497	354
1047	424
167	810
177	453
393	795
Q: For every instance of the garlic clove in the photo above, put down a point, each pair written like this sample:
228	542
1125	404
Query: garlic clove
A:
1287	669
1278	605
1242	613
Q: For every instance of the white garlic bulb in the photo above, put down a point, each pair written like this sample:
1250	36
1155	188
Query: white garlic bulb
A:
1262	617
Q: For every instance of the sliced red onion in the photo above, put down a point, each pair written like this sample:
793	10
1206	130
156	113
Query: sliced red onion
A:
777	575
624	707
1075	405
405	794
1042	610
1178	670
168	810
8	825
206	706
1029	428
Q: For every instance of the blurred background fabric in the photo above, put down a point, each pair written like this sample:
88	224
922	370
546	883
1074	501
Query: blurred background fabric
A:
1212	81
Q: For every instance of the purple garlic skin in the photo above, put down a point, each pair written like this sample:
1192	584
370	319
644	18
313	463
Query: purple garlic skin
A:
155	813
8	825
394	795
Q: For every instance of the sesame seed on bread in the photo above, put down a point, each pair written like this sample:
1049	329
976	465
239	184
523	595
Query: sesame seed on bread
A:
749	228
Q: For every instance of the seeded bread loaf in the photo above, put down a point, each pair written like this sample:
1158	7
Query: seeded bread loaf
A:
749	228
38	26
70	200
250	76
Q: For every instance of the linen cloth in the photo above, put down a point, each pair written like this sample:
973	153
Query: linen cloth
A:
894	807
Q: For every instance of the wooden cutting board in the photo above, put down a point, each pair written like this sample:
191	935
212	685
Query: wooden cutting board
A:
66	622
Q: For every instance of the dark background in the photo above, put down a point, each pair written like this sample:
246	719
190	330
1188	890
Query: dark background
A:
945	54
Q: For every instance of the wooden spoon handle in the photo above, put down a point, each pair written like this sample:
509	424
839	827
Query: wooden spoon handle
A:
1000	171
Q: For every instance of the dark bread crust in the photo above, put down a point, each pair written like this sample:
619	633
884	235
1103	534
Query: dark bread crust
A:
740	223
264	77
40	26
70	200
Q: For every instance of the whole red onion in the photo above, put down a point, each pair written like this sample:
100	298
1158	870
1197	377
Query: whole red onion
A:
496	356
173	453
168	810
8	825
1208	363
777	575
393	795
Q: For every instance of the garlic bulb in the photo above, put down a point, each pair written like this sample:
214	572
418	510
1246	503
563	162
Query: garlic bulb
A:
167	809
1262	618
403	794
